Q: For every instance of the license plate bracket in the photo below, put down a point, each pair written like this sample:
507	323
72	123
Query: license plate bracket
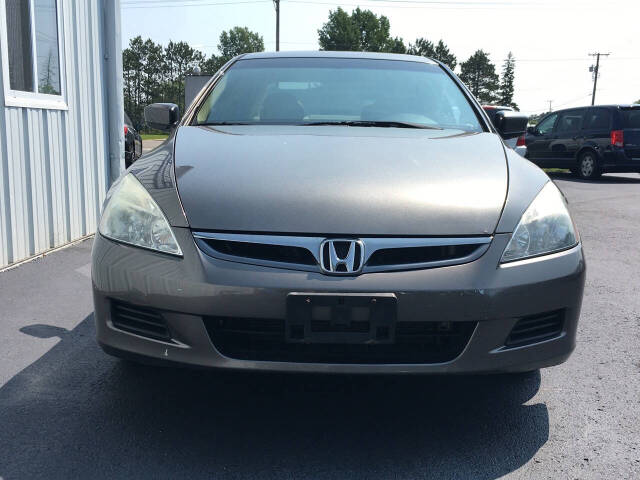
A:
341	318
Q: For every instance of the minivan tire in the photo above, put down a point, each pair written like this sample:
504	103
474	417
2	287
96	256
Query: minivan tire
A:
588	167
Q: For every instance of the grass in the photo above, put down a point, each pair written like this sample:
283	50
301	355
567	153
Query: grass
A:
556	170
154	136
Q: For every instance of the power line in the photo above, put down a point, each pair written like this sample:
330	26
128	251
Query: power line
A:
439	5
570	59
139	4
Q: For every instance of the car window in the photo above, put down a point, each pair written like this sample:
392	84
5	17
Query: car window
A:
546	125
570	122
127	120
631	118
598	119
296	91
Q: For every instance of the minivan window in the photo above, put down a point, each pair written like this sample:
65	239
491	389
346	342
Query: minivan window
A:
570	122
631	118
299	91
546	125
598	119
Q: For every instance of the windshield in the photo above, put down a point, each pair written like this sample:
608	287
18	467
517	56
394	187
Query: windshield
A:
295	91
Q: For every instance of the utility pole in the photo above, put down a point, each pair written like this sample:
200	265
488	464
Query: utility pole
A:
595	71
276	3
550	109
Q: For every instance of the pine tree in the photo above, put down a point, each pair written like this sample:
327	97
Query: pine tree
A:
426	48
443	54
507	82
479	74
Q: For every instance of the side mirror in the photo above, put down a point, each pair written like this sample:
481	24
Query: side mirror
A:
510	124
532	130
161	116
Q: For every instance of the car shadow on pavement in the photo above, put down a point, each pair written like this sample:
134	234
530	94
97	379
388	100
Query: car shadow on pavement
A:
609	178
77	413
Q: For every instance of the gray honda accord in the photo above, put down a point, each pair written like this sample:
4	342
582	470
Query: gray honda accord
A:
337	212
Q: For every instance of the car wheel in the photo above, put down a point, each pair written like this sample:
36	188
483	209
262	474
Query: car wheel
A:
588	166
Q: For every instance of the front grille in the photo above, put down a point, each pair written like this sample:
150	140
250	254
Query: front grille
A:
412	255
262	251
536	328
370	254
142	321
264	340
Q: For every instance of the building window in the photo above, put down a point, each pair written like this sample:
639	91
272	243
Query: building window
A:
31	53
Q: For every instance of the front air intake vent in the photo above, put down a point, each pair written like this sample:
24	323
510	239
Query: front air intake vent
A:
536	328
262	251
142	321
264	339
421	255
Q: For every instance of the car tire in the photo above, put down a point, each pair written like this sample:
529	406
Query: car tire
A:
588	168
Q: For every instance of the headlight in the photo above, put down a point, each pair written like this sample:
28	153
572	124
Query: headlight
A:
132	216
545	227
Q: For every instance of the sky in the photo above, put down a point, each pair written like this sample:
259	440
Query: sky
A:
551	40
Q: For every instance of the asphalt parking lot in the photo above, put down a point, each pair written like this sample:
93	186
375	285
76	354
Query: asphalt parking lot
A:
69	411
148	145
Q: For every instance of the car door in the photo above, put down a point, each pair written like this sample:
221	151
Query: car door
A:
597	128
567	137
539	138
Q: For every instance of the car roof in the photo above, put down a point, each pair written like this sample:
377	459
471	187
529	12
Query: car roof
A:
616	106
333	54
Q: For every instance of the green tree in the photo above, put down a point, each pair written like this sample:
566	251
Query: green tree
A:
440	52
479	74
211	65
362	31
507	82
239	40
180	59
422	48
235	42
444	55
132	65
153	73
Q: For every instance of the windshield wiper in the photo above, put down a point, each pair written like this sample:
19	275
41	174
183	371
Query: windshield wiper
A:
375	123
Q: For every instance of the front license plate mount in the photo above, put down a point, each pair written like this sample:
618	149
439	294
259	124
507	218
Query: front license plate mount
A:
341	318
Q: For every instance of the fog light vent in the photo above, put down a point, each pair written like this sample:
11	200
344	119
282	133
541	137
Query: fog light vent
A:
536	328
142	321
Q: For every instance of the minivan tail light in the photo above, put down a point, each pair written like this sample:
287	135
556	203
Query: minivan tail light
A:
520	142
617	138
126	130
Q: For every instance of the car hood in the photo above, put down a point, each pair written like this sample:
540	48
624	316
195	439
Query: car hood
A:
340	180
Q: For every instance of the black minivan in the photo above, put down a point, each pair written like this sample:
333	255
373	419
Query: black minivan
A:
588	140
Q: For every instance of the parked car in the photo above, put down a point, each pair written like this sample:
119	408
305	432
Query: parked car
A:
337	212
517	144
132	142
588	140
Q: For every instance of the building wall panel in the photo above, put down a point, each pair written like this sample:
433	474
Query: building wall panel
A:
54	164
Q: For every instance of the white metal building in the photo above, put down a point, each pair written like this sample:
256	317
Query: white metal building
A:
61	120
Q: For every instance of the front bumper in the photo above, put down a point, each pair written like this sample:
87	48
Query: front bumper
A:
188	289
